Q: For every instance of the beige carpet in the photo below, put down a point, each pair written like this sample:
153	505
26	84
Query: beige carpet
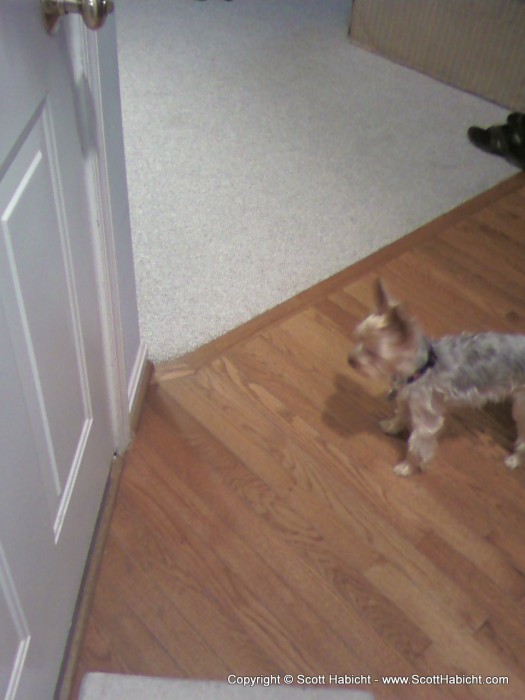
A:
266	153
104	686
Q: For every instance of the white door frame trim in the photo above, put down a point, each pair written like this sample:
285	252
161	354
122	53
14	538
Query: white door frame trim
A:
97	177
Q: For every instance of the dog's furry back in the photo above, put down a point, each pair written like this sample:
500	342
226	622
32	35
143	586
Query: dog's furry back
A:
476	368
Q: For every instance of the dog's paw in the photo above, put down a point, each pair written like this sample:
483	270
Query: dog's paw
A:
405	469
513	461
391	426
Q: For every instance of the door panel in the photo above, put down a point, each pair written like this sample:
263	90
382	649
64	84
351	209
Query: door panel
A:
34	236
56	430
14	640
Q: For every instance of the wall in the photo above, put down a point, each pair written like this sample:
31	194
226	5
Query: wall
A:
475	45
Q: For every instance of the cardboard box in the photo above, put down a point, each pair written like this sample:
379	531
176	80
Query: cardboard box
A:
475	45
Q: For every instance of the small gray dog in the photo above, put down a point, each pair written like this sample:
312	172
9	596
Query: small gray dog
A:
428	377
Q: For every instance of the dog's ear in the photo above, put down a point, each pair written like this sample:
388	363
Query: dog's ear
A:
400	323
382	299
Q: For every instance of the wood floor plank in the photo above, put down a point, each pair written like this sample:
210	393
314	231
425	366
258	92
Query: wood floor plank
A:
453	640
287	555
197	580
367	489
259	528
439	304
505	623
478	281
231	572
184	646
285	469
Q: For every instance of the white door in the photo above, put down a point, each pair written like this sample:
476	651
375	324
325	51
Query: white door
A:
56	433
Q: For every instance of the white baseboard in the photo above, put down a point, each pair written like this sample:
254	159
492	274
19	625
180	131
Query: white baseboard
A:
137	378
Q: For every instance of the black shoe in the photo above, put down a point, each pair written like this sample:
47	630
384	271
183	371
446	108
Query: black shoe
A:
506	140
517	121
496	139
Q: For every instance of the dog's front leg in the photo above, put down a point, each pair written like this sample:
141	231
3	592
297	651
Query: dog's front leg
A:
399	421
422	443
517	458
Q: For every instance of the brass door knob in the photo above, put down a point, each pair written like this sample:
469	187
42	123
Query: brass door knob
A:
94	12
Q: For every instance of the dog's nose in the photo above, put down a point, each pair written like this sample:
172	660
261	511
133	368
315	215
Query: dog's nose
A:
352	361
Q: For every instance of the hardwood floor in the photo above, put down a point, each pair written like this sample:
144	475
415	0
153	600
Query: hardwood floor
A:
259	528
